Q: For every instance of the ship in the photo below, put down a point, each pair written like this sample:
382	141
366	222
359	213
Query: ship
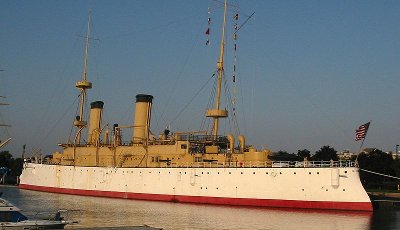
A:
190	167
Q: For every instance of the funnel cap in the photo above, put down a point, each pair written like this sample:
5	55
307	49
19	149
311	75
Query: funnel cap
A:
144	98
97	105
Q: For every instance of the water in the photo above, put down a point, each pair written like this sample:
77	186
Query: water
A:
106	212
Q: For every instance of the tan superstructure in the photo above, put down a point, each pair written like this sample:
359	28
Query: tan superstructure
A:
145	150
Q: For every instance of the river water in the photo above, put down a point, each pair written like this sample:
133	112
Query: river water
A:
107	212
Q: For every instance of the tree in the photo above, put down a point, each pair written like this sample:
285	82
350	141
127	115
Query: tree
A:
376	161
303	154
5	159
283	156
326	153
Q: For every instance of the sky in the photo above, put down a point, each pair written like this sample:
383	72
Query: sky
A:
308	72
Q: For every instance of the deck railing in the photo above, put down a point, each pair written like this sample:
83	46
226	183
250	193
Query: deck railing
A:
249	164
266	164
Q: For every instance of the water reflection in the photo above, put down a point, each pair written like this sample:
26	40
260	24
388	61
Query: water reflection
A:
96	212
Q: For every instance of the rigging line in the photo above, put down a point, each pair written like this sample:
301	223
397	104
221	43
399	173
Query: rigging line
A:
190	101
149	29
239	78
229	99
209	102
380	174
233	118
57	121
177	80
56	91
245	21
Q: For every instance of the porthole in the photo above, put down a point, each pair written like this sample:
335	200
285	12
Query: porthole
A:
230	173
202	173
345	171
344	190
317	172
280	172
254	172
208	172
309	173
241	172
294	173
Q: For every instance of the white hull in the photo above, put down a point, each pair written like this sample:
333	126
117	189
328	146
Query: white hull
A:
321	188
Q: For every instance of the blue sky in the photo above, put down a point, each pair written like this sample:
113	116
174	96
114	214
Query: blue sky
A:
309	72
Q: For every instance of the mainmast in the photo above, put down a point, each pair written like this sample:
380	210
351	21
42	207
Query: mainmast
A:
83	85
217	112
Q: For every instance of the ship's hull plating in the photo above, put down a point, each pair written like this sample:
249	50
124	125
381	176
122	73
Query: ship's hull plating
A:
316	188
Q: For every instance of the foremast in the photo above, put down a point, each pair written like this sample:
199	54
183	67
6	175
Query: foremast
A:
217	112
83	85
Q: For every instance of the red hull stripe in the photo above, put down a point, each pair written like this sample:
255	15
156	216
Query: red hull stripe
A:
356	206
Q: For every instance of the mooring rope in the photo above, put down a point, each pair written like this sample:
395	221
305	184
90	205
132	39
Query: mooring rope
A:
380	174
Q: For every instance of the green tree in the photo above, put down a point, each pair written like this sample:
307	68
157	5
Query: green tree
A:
326	153
305	153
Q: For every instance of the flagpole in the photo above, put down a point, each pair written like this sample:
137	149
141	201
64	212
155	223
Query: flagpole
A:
362	143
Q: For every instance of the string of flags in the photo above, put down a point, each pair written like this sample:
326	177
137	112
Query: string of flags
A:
236	18
208	27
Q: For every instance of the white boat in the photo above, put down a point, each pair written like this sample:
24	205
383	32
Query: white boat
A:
12	218
193	167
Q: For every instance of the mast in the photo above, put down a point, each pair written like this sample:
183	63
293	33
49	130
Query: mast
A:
83	85
217	112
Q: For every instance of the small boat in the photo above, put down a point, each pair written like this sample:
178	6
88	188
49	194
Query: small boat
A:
12	218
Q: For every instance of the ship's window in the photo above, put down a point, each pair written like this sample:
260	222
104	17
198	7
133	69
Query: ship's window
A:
206	187
294	173
326	189
309	173
155	159
208	172
217	172
198	159
345	171
185	172
201	187
230	173
344	190
217	187
254	172
317	172
266	173
280	172
159	172
183	146
201	172
241	172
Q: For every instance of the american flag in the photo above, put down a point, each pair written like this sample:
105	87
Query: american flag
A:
361	132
